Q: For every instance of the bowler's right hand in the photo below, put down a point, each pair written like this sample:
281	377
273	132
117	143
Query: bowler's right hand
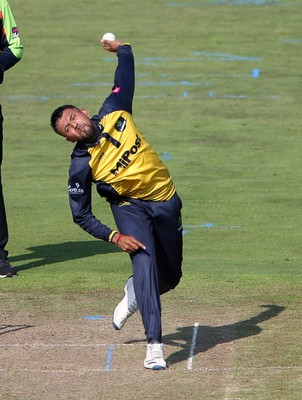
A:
110	45
127	243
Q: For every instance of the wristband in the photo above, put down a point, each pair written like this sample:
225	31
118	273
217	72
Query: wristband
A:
119	235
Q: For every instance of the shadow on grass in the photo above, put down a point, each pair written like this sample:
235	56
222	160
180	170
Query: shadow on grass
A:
61	252
209	336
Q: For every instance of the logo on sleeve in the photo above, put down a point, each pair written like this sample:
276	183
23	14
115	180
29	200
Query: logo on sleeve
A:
15	32
116	89
75	190
120	126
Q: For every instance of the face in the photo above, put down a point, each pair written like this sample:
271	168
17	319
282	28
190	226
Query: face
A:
76	126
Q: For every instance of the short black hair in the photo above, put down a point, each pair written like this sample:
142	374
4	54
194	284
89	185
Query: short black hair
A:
57	114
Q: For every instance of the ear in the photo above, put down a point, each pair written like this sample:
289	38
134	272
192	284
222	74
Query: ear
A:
84	111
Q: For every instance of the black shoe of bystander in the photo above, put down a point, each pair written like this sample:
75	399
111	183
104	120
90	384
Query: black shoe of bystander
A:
6	270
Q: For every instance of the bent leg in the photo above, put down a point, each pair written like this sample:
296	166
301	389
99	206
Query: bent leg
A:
168	242
136	219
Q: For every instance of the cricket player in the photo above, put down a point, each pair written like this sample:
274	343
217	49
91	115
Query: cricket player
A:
111	153
11	51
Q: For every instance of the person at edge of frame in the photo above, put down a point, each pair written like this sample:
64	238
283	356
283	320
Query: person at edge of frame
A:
114	155
11	51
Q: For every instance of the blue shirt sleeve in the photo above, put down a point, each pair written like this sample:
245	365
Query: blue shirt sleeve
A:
122	93
79	189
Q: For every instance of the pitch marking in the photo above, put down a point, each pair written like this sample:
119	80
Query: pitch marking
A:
193	344
109	357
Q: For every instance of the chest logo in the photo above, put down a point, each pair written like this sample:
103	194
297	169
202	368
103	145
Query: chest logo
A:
126	157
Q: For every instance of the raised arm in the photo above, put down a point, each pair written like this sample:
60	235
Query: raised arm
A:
124	79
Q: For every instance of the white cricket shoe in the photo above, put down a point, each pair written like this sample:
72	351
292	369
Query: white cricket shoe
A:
155	357
126	307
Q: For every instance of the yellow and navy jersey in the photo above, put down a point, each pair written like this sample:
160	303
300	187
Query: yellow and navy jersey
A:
121	163
11	49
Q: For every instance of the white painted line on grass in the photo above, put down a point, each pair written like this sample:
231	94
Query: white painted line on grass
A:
193	344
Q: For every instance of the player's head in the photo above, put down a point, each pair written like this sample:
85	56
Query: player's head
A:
73	123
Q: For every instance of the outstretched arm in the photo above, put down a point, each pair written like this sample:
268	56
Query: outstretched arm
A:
122	93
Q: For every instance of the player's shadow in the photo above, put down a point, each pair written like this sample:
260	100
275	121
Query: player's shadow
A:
61	252
209	336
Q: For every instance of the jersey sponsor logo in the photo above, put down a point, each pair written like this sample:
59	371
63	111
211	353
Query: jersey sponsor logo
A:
120	126
125	159
75	190
15	32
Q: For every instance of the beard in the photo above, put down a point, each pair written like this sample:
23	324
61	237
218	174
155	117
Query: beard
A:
89	133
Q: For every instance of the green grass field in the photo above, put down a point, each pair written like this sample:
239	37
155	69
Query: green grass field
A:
233	145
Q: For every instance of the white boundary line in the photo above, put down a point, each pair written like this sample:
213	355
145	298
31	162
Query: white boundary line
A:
193	344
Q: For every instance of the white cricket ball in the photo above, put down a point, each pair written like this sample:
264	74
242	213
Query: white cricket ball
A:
109	36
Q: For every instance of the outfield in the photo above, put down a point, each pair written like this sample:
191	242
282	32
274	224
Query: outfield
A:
218	96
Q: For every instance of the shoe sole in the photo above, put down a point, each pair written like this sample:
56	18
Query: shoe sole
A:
115	327
113	323
156	368
8	276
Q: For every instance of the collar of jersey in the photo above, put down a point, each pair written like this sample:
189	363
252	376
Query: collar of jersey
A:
100	134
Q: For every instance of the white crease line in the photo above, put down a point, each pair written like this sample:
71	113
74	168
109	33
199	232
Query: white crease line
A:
193	344
52	371
196	370
274	368
61	345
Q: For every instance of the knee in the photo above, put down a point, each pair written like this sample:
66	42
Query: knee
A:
165	287
176	280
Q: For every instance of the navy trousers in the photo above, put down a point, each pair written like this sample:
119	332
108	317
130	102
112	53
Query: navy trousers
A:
3	222
157	269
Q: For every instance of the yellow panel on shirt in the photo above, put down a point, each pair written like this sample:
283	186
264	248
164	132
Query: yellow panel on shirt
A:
124	159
